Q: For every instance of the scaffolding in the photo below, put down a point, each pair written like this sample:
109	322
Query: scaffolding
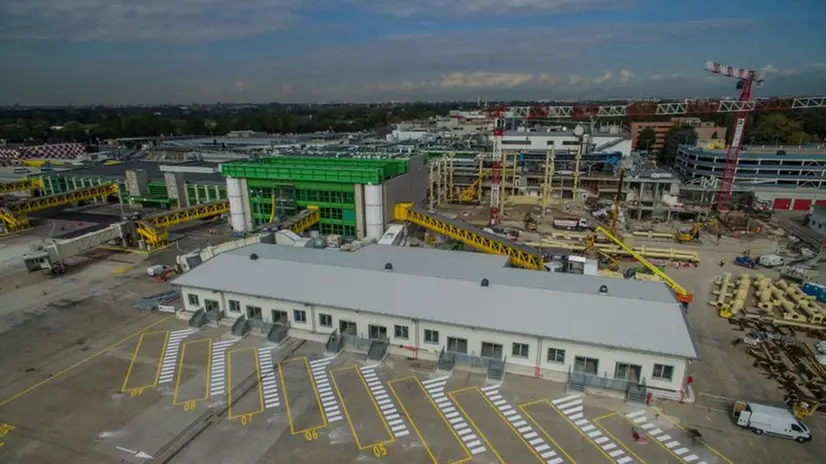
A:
14	215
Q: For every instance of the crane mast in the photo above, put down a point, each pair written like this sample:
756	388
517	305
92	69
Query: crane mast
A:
496	171
746	78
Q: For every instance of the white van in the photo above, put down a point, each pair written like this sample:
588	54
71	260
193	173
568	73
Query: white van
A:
771	420
20	170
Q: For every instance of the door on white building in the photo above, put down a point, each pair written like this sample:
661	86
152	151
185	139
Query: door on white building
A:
347	328
279	317
457	345
626	371
492	350
377	332
586	365
254	312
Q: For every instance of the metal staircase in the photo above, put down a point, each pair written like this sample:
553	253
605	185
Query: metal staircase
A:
214	317
334	343
241	326
496	370
198	319
447	361
636	392
278	332
378	348
576	381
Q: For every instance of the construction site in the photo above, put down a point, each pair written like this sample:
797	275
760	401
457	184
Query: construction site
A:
558	297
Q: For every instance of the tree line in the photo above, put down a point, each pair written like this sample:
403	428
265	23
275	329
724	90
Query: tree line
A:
91	125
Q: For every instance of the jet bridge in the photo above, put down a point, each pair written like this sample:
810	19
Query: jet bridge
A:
520	255
52	256
155	229
20	185
13	216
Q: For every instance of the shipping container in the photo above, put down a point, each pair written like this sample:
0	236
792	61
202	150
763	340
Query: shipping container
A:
802	205
820	202
782	203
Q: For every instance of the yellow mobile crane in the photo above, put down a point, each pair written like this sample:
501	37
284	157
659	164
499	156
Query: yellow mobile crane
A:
683	295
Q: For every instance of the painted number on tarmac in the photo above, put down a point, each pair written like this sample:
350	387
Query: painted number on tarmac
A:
135	392
311	435
4	430
246	419
189	406
379	450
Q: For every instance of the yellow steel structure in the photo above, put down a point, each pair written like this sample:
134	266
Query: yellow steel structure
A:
520	255
14	216
683	295
18	185
155	229
470	193
304	220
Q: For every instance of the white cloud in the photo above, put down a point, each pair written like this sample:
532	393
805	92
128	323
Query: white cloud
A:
574	79
485	79
625	76
120	20
661	77
604	78
768	69
406	8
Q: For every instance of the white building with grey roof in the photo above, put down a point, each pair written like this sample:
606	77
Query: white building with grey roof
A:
425	303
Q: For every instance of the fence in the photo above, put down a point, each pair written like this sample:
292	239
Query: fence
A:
361	342
633	390
472	360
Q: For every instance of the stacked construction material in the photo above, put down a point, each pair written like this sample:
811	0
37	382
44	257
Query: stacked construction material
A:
57	151
722	293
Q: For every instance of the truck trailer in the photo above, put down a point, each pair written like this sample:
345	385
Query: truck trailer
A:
570	223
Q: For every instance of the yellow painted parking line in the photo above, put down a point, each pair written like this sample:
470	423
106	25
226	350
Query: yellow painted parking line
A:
81	362
568	420
468	456
473	423
617	441
135	357
123	269
306	362
187	404
246	414
722	456
347	413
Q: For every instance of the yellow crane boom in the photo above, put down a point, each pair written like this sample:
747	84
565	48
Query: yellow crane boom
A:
682	294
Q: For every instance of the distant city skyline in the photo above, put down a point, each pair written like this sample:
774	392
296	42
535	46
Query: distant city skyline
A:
59	52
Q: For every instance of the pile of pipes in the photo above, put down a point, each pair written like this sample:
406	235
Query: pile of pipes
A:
789	300
151	302
731	294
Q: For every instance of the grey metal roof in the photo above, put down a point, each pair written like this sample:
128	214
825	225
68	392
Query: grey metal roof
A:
607	320
460	266
117	172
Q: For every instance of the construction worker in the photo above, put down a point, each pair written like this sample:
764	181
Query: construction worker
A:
722	262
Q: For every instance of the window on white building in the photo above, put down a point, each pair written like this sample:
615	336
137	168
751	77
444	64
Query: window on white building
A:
457	345
325	320
300	316
431	336
520	350
193	299
401	332
663	372
555	355
632	372
234	306
492	350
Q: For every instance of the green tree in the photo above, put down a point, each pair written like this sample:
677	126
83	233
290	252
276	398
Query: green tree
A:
779	129
673	139
647	139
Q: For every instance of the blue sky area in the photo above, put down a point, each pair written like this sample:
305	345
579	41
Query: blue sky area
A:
182	51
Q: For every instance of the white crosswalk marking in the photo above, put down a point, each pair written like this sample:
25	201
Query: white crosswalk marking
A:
269	386
388	409
436	390
526	431
572	407
322	382
639	417
170	355
218	370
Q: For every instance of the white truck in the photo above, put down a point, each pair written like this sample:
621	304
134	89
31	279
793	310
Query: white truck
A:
770	261
570	223
770	420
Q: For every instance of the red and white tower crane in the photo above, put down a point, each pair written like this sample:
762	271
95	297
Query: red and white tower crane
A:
496	170
746	79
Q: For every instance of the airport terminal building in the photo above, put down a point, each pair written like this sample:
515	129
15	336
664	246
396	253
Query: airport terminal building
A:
428	303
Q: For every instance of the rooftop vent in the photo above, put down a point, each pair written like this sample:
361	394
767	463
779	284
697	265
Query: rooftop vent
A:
603	289
388	267
253	256
485	283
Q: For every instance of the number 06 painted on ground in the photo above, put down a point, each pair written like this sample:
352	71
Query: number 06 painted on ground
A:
311	435
379	450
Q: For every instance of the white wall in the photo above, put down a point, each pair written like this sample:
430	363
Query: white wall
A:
537	348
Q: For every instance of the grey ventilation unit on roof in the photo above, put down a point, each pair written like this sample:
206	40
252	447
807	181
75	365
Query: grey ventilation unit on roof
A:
253	256
485	283
388	267
603	289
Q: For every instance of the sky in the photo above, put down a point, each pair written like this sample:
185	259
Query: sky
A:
205	51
